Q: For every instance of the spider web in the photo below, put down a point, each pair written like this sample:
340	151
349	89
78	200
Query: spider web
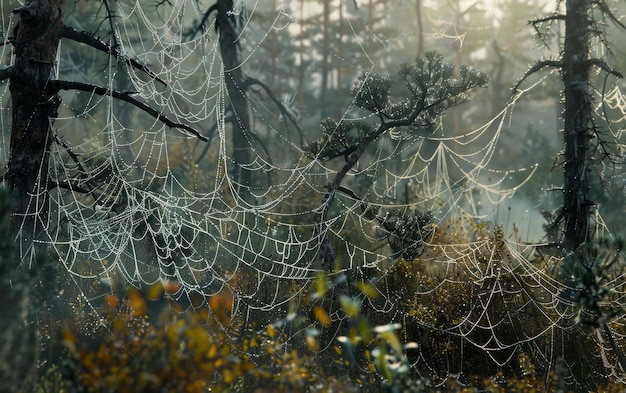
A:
163	206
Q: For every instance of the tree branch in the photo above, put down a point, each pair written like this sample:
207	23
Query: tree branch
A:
536	22
68	186
536	68
607	11
6	72
202	24
281	105
56	85
88	39
549	18
601	64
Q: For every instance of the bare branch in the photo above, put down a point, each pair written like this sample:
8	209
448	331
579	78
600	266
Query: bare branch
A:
536	22
6	72
607	11
208	144
95	42
549	18
56	85
202	24
279	103
68	186
536	68
81	169
601	64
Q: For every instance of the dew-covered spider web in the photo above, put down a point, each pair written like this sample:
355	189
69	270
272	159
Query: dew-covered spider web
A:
135	201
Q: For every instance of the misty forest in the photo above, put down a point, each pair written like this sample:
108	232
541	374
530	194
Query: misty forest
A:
312	196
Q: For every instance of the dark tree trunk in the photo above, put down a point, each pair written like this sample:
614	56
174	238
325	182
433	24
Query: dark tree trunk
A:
325	55
35	40
578	130
229	47
30	309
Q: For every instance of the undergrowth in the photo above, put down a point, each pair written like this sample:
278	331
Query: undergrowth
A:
145	342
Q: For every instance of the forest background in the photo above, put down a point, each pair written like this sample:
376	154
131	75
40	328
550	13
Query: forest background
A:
192	169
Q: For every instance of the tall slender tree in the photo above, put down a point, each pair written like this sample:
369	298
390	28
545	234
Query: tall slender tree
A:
233	75
581	134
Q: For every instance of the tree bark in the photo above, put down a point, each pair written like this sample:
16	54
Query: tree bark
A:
35	41
229	47
578	130
325	55
32	307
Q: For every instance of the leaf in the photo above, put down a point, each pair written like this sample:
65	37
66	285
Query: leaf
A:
322	316
136	303
271	331
350	306
367	289
112	300
155	291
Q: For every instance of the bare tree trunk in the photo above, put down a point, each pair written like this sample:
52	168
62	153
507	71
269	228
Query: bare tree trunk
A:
229	46
35	40
325	56
28	314
420	28
578	130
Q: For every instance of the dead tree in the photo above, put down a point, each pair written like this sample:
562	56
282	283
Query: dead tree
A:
228	23
35	100
581	136
34	107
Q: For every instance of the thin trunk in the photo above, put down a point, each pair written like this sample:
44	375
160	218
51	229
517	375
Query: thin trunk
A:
370	24
35	41
301	57
230	48
578	124
420	28
340	54
274	52
325	55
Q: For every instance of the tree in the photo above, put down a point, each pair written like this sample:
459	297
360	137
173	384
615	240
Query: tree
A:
432	88
585	145
35	99
35	39
35	86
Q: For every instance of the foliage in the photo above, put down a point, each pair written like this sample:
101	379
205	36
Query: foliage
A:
189	352
143	346
591	272
452	282
433	87
150	348
453	305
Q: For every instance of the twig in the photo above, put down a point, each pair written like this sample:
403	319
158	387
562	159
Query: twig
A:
56	85
281	105
549	18
81	170
6	72
68	186
202	24
616	348
607	11
601	64
536	68
88	39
